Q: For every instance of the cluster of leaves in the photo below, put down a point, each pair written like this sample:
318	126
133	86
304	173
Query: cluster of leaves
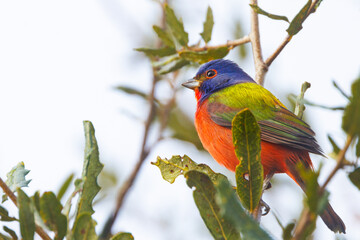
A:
218	203
176	52
45	211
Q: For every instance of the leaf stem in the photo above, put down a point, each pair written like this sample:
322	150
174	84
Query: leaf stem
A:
13	198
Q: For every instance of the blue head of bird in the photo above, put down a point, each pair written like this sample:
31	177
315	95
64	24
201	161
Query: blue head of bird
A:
216	75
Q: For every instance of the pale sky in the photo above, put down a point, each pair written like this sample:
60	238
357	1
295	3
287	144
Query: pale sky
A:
60	62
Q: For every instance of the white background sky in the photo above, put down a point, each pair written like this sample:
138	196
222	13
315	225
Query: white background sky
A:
60	62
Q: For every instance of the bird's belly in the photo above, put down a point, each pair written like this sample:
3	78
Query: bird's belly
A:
217	140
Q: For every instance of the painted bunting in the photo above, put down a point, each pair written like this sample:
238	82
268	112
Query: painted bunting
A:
222	89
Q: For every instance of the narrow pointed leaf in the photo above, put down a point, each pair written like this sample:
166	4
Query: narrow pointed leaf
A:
11	233
232	210
258	10
296	23
246	139
172	168
205	56
50	212
208	26
157	52
355	177
65	186
91	169
357	152
164	36
176	26
205	199
84	228
26	215
4	215
351	118
122	236
173	66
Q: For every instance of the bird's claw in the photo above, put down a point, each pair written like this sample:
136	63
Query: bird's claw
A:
265	206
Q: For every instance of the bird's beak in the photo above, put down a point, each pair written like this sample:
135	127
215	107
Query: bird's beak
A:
192	84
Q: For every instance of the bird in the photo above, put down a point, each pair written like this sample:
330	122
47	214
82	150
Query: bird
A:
222	89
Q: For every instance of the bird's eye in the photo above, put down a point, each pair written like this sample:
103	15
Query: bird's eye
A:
211	73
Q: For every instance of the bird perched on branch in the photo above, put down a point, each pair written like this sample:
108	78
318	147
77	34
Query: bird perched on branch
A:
222	89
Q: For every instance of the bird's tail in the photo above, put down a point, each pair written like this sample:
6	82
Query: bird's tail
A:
329	216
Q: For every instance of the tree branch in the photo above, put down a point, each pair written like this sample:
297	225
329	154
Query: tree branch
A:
288	38
230	44
13	198
260	67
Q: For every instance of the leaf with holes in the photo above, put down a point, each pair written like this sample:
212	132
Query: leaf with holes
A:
172	168
246	139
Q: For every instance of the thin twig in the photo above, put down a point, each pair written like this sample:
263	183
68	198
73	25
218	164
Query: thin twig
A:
13	198
130	181
260	67
230	44
288	38
339	163
270	59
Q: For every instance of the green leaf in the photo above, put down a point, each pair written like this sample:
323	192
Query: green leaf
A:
65	186
205	56
11	233
355	177
314	200
50	212
258	10
164	36
122	236
238	33
16	178
157	52
176	26
26	215
205	199
287	232
172	168
296	23
183	127
351	118
232	210
91	169
208	26
246	139
84	228
357	152
4	215
173	66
